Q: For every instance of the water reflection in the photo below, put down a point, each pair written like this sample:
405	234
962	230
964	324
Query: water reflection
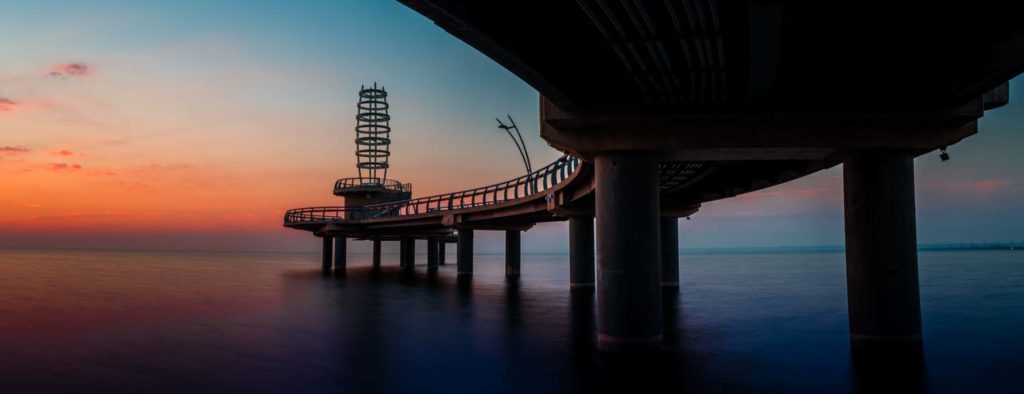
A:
896	369
582	321
488	330
179	322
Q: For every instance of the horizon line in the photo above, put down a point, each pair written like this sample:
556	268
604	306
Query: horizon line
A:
947	246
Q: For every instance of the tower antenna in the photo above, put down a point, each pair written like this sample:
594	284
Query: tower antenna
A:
373	135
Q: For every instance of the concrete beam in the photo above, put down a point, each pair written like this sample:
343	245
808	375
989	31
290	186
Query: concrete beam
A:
881	250
751	139
997	97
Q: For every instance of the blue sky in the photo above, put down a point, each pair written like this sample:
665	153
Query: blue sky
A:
249	106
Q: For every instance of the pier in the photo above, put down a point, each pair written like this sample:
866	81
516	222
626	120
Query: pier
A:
660	107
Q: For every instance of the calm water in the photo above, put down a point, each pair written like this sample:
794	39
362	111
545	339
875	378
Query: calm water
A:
247	322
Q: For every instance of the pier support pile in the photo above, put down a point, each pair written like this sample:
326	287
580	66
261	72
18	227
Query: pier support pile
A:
465	252
513	250
628	263
881	249
669	252
581	252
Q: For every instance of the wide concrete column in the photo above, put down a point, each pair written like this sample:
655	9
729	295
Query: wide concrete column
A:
629	270
881	250
669	252
441	252
513	252
432	253
464	251
376	253
327	254
340	254
581	252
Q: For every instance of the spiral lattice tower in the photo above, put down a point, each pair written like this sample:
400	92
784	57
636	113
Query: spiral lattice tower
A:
373	135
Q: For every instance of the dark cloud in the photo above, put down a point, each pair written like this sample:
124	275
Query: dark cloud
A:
6	104
13	150
63	166
70	69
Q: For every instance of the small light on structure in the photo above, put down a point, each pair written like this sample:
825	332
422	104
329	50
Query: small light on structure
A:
943	154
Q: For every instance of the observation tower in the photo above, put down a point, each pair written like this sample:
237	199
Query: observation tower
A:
373	149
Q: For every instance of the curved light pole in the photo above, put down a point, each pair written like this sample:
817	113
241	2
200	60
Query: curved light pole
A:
520	144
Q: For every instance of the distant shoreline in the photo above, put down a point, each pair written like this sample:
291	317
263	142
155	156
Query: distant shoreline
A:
972	246
839	248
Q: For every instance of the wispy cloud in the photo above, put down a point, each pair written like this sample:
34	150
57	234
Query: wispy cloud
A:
153	168
70	69
7	104
982	186
63	166
62	152
12	150
990	185
107	214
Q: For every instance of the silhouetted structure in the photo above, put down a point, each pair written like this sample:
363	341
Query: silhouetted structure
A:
661	106
373	149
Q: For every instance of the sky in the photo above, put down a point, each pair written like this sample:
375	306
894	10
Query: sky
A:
196	124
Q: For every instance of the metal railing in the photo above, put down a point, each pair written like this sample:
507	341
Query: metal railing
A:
387	184
321	214
516	188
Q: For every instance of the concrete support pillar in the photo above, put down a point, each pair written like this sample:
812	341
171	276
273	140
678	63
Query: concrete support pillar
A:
340	254
432	253
328	253
464	251
376	253
441	252
669	252
581	252
881	250
402	250
629	270
407	253
513	251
